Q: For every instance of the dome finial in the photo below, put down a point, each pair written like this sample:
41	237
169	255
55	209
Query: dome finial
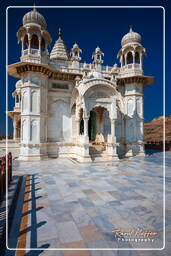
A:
60	33
34	7
130	30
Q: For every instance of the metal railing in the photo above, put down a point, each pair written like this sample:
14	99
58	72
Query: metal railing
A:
4	172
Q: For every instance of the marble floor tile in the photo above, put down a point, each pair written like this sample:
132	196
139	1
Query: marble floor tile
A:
91	233
80	204
68	232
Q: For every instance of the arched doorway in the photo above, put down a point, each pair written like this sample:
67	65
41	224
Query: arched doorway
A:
92	126
99	125
81	122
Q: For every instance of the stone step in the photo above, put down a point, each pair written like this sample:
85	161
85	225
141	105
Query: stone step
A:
97	149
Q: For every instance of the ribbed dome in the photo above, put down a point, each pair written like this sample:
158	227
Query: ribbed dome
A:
59	50
34	17
131	37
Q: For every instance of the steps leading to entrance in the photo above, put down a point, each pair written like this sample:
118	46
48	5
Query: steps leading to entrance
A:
97	151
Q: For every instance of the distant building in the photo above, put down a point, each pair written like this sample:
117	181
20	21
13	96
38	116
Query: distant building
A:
65	108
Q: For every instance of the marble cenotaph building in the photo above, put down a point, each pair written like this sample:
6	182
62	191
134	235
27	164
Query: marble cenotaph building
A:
68	108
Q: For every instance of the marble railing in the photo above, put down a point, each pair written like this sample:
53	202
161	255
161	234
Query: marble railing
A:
132	66
68	67
34	52
17	106
131	69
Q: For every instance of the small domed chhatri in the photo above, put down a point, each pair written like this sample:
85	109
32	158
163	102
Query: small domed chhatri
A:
131	37
34	37
65	107
34	17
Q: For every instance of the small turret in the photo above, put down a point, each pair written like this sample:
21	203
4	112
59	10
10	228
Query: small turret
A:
131	52
97	58
75	55
34	38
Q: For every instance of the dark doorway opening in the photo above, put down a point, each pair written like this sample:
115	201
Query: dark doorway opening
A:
92	126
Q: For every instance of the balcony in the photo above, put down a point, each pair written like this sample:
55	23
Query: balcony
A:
34	56
131	69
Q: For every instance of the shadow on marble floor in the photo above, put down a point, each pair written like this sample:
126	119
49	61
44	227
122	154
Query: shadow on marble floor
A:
25	225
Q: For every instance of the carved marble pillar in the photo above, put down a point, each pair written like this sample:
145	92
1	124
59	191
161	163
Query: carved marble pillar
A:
29	44
113	134
121	61
126	59
133	54
122	130
39	46
77	121
15	129
140	60
46	48
86	126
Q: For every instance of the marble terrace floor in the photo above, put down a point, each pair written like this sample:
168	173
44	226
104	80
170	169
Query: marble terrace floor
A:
63	204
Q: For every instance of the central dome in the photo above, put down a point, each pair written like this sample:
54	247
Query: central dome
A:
94	74
34	17
131	37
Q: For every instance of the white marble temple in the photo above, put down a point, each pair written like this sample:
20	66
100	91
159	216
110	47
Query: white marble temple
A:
65	108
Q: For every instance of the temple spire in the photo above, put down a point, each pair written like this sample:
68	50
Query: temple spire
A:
34	7
59	51
60	33
130	30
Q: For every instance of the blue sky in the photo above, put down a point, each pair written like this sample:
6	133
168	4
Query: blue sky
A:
89	28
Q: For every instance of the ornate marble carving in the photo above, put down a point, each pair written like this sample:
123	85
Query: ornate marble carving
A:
99	103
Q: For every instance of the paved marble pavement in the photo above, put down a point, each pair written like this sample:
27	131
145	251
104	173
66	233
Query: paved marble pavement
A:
84	205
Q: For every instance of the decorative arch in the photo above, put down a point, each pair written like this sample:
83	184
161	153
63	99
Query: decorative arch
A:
130	107
34	130
34	101
59	100
43	43
75	94
34	41
24	101
85	86
129	57
137	57
23	129
58	117
123	59
25	40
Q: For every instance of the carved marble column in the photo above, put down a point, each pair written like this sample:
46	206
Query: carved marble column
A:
113	134
29	44
133	54
140	60
86	126
39	46
77	121
15	129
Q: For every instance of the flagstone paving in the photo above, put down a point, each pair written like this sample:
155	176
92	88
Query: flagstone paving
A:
81	205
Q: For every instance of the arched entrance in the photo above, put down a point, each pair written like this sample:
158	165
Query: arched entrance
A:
99	125
92	126
81	122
